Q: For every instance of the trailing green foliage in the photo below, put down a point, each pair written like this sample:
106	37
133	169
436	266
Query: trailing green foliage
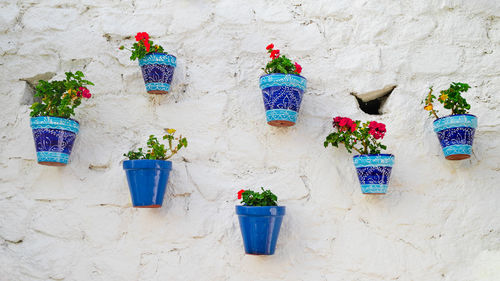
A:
451	98
252	198
60	98
157	150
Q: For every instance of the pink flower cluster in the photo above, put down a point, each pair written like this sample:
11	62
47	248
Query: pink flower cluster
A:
345	123
377	130
84	92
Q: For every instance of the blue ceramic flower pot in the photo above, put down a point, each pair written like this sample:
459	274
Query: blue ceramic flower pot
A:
374	172
456	134
54	138
282	95
157	71
147	181
260	227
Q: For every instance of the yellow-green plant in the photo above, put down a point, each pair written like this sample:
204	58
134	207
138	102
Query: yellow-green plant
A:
157	150
451	98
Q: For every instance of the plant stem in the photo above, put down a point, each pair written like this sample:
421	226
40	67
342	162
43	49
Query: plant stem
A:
357	150
365	148
429	100
435	115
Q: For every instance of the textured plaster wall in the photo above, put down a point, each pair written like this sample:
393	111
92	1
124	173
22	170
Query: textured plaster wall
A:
439	220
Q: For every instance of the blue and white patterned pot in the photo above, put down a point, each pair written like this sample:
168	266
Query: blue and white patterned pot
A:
54	138
158	70
374	172
282	95
456	134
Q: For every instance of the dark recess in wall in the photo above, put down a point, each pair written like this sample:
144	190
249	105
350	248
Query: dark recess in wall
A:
372	102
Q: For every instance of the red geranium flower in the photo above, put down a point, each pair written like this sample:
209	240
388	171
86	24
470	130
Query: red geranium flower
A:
345	123
240	193
298	68
275	54
270	46
353	127
144	38
142	35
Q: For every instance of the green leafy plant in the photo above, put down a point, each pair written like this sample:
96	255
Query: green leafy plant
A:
143	47
157	150
60	98
253	198
280	63
451	98
360	137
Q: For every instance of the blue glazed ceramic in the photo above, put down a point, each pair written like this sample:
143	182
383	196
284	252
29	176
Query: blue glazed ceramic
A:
147	181
54	138
282	95
260	227
158	70
456	134
374	171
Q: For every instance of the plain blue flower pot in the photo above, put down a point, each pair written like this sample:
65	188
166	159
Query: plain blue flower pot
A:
54	138
456	134
260	227
374	172
282	95
157	71
147	181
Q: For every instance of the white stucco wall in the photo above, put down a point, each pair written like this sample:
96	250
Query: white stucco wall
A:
439	220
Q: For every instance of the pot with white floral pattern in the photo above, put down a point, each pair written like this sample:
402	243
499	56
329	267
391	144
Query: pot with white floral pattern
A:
373	168
157	65
374	172
157	71
54	131
54	138
282	89
455	131
282	94
456	134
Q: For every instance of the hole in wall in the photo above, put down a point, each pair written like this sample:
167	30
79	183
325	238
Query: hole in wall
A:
373	101
29	91
28	95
